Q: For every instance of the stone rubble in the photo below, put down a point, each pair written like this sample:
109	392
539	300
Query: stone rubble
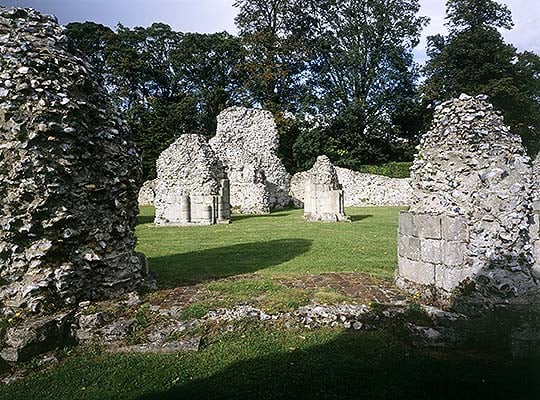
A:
323	194
247	142
360	189
469	220
192	187
535	227
147	193
69	174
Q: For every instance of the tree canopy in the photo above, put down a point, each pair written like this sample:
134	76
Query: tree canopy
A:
474	59
339	75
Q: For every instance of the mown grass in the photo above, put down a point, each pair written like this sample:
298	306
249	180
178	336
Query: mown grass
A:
277	244
263	362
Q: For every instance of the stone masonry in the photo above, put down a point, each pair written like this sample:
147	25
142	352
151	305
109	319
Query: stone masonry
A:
69	175
470	216
323	195
247	141
360	189
535	229
146	194
192	187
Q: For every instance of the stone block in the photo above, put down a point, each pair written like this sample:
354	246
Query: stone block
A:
430	250
429	226
418	272
454	229
406	224
409	247
449	278
452	253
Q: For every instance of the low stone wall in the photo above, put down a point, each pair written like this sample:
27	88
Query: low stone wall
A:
360	189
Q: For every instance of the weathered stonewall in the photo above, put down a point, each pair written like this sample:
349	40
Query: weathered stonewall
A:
323	195
468	224
191	188
535	227
69	174
146	194
360	189
247	141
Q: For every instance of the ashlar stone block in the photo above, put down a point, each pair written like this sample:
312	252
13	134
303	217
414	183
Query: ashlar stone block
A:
409	247
430	251
407	226
429	226
415	271
452	253
454	229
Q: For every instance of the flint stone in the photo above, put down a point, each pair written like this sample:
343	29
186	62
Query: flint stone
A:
191	344
36	336
472	205
247	143
359	189
69	175
192	187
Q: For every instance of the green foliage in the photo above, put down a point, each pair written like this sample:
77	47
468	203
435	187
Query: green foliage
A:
391	169
166	82
474	59
273	63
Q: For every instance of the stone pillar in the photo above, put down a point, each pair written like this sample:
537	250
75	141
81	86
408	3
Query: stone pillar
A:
69	175
323	195
466	235
535	229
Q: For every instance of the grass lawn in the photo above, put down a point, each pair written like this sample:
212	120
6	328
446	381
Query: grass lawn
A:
263	362
277	244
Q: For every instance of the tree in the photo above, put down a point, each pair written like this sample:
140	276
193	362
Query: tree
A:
166	83
273	61
92	40
361	74
474	59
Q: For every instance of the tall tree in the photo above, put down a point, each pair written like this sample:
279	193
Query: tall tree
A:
362	74
474	59
167	83
273	63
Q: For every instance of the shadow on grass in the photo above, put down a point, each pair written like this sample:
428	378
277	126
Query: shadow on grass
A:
362	366
200	266
144	219
356	218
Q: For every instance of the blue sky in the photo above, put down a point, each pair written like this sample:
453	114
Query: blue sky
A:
218	15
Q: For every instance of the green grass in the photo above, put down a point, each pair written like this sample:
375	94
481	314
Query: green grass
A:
277	244
257	363
262	362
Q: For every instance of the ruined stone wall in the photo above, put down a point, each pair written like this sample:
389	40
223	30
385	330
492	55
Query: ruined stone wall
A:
323	195
360	189
147	193
69	174
470	214
535	229
192	187
247	143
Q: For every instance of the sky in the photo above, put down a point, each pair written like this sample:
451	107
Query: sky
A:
209	16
